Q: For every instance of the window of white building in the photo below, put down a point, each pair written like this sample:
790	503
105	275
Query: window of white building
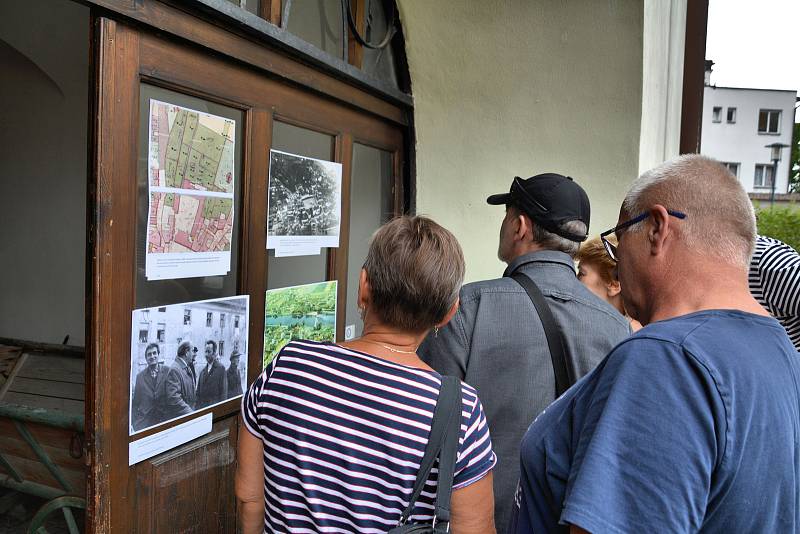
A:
717	114
769	121
763	176
731	115
733	167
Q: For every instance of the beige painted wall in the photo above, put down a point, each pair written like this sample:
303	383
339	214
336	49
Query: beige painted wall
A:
44	90
519	87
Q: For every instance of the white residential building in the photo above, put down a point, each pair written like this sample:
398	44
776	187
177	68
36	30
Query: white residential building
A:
738	123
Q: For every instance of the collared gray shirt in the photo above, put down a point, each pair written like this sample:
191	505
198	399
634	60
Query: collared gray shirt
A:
496	344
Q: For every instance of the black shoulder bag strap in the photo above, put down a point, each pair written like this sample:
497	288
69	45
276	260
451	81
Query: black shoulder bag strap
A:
442	443
555	342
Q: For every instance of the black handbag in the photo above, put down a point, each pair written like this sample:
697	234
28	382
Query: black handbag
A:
555	341
442	443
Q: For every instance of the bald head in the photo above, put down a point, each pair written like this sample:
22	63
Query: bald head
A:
720	220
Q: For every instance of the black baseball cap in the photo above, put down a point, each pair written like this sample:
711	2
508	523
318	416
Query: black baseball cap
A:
550	200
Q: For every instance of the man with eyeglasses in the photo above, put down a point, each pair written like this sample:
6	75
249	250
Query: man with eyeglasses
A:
497	342
692	424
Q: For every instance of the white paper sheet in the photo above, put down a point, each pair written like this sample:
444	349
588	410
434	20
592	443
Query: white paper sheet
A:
304	204
305	311
162	330
145	448
191	193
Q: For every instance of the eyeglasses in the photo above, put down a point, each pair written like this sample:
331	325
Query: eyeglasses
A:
611	249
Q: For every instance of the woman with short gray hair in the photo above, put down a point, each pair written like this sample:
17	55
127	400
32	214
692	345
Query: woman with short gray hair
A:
341	428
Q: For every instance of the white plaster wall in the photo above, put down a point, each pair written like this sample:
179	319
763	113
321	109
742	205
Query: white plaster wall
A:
520	87
740	142
44	93
662	81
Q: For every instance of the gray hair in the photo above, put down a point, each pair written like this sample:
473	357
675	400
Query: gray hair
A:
550	241
415	269
720	220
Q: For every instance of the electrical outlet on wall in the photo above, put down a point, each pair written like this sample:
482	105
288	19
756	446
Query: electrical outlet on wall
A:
349	332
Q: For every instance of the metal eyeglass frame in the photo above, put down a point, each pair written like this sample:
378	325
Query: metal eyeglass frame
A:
611	249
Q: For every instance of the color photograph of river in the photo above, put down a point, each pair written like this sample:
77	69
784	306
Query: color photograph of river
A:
299	312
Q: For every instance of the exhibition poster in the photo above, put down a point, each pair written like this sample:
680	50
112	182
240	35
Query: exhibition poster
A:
304	204
299	312
191	193
186	357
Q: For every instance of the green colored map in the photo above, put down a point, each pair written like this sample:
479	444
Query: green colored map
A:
191	149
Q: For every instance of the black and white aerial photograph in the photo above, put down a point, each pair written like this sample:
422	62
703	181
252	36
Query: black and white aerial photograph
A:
186	357
304	198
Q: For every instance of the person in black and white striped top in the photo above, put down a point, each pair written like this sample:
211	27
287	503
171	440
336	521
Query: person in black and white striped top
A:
333	434
775	283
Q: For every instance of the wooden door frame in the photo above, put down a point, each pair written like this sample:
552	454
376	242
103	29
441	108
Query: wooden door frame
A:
125	57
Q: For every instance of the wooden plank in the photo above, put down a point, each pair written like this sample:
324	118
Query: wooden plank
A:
48	388
52	367
38	346
165	61
45	435
355	52
66	406
271	11
254	260
34	471
8	358
694	55
344	147
12	446
9	381
191	488
111	265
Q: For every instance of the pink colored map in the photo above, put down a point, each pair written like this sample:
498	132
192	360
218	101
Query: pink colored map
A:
189	223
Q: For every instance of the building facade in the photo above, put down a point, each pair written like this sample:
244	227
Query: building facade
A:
738	123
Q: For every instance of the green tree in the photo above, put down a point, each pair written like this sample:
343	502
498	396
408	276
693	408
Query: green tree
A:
794	161
782	223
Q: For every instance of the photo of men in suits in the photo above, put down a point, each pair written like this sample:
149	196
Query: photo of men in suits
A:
147	393
168	381
234	376
212	386
179	389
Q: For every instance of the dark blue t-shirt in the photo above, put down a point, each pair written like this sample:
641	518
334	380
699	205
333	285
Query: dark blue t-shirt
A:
691	424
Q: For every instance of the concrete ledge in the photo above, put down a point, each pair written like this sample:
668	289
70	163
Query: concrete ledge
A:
784	200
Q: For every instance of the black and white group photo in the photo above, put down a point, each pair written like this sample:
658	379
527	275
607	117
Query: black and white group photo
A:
304	196
186	357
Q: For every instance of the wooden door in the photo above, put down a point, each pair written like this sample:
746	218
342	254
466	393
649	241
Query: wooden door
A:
190	488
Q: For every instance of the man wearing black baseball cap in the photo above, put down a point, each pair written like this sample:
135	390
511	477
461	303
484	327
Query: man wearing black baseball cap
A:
497	342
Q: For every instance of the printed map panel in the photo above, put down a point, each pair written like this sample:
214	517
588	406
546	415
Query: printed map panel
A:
190	149
189	223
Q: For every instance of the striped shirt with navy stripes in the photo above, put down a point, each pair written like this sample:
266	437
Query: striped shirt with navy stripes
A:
775	283
344	433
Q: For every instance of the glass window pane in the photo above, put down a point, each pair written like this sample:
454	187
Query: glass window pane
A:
774	121
250	5
159	292
370	206
318	22
762	121
292	271
378	63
